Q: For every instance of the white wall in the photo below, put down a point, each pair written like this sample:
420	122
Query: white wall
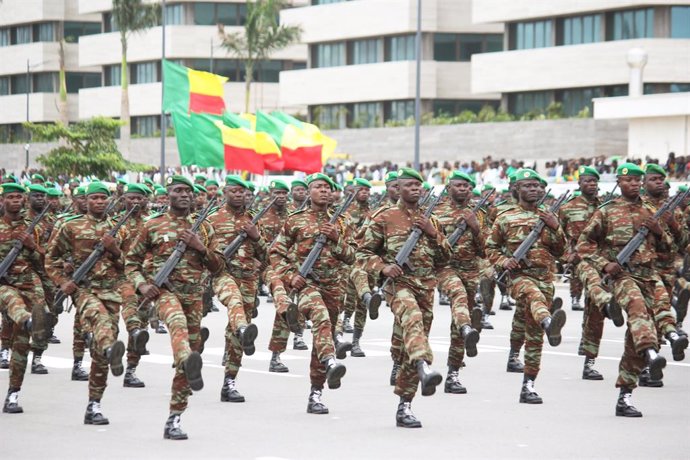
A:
658	136
42	107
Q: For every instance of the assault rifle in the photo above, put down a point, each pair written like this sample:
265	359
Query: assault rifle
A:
379	200
304	204
235	244
17	246
164	272
84	269
251	204
461	226
114	202
305	270
520	253
402	259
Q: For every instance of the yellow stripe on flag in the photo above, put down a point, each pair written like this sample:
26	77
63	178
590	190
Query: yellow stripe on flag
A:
294	138
237	137
206	83
265	145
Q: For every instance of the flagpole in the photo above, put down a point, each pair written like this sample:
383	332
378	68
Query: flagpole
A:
163	120
417	101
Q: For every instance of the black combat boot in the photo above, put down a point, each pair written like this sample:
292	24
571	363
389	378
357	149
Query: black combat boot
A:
114	354
192	370
140	338
678	345
247	335
93	415
29	325
404	416
514	364
12	402
4	358
229	391
78	372
160	328
131	380
453	384
173	430
552	326
575	304
681	305
613	312
37	366
589	373
505	304
624	407
485	322
527	394
476	316
341	346
298	342
357	351
470	337
443	299
205	334
334	372
428	378
647	381
314	404
656	364
347	325
54	340
276	364
394	373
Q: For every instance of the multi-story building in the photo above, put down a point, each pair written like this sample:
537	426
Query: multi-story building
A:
362	72
573	51
192	39
31	32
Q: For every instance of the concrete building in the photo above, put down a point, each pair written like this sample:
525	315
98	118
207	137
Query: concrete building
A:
574	51
361	70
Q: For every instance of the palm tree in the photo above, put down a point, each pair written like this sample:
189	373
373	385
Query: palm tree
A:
262	36
130	16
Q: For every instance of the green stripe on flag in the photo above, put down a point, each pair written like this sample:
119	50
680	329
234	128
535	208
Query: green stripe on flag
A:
208	141
176	88
185	137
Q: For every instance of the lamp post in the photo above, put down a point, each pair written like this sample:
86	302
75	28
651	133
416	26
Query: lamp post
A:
417	101
163	118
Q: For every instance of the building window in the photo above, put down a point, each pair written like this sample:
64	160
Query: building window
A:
73	30
580	29
11	133
269	71
680	22
368	115
210	14
674	87
574	100
22	34
146	126
626	25
400	48
44	82
44	32
444	47
327	2
145	72
5	37
401	110
454	107
329	55
109	23
4	86
112	75
18	84
227	68
528	35
174	14
77	80
461	47
330	116
366	51
522	103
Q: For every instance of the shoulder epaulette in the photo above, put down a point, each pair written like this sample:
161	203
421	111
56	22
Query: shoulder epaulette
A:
379	210
298	211
153	216
606	203
74	217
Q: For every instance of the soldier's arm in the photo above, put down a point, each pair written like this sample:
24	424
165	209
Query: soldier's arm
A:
590	241
213	258
494	245
279	253
344	249
58	248
134	259
442	250
555	240
371	246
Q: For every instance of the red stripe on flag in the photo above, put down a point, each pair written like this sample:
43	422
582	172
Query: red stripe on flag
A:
273	163
201	103
243	159
305	159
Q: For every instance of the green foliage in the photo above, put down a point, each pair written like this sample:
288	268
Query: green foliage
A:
584	113
86	148
135	15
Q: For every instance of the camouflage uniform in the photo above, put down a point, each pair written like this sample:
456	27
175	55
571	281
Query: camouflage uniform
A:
357	215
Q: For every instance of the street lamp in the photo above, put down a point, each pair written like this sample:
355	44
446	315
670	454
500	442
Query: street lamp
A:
417	99
27	146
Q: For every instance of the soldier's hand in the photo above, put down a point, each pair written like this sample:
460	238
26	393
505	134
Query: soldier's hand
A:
192	240
68	287
549	219
471	220
330	230
653	225
613	269
511	264
252	232
68	268
427	227
28	241
392	271
298	282
149	291
574	258
110	244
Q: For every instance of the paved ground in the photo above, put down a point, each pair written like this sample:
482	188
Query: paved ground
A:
576	420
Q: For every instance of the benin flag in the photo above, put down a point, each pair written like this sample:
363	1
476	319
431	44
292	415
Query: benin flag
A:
313	132
300	152
192	91
264	146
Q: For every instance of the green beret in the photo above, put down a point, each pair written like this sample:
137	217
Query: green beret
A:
200	177
12	188
49	185
26	183
512	177
488	187
122	181
349	183
683	188
505	190
148	190
459	175
176	179
667	184
79	191
97	187
390	176
476	192
10	178
320	176
279	184
409	173
629	169
37	188
37	177
212	182
361	182
263	188
339	187
652	168
426	185
199	188
160	192
588	171
251	186
148	181
577	193
235	180
298	183
527	174
54	192
158	186
137	188
74	181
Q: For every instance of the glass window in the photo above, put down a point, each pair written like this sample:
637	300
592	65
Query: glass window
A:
227	14
454	107
145	126
204	14
174	14
18	84
574	100
5	37
522	103
269	71
470	44
368	115
402	110
330	116
494	42
400	48
4	86
44	32
299	65
680	22
109	23
226	67
326	2
330	54
580	29
528	35
365	51
44	82
444	47
626	25
77	80
73	30
145	72
22	35
674	87
112	75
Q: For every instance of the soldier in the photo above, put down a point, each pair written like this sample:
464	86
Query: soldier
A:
98	303
236	288
212	187
298	194
200	179
200	197
531	286
411	295
460	277
179	301
317	294
21	293
640	291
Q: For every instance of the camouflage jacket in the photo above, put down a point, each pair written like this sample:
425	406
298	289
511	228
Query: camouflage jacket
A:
297	238
227	224
157	239
271	223
574	216
387	233
24	273
679	233
293	206
612	226
357	214
499	208
510	229
469	249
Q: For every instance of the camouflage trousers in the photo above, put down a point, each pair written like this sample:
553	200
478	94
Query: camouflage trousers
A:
99	314
576	287
358	283
461	287
320	304
413	310
78	342
20	304
533	298
134	319
280	332
487	271
6	331
238	297
596	299
182	314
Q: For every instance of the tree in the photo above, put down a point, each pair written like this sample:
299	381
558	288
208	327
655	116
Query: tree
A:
62	104
130	16
86	148
262	36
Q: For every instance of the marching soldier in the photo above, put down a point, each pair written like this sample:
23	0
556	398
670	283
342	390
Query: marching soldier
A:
298	194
